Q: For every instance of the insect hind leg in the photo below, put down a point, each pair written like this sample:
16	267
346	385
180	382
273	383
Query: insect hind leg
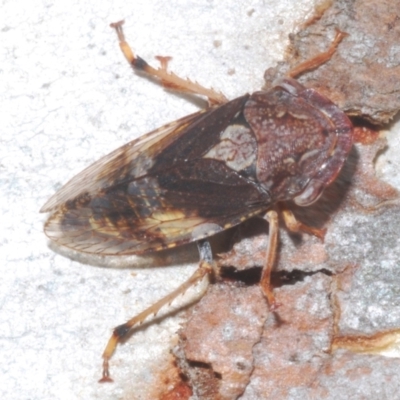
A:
122	331
168	79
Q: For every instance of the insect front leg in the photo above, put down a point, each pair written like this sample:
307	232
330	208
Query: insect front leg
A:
122	331
295	226
168	79
319	59
265	282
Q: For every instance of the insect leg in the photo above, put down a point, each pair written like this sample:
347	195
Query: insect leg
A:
121	331
319	59
296	226
164	60
265	282
168	79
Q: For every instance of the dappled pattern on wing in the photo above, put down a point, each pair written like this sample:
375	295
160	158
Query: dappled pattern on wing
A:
129	161
178	196
150	214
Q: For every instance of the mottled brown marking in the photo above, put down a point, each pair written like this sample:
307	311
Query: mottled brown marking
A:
303	140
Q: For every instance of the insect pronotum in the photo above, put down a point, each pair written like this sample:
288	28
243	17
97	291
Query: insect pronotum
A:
205	173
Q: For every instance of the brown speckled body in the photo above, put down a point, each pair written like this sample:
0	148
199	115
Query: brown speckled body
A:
204	173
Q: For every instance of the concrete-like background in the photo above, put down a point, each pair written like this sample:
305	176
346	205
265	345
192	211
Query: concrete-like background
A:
68	97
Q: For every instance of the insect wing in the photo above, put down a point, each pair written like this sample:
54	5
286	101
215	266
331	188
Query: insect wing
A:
132	158
170	187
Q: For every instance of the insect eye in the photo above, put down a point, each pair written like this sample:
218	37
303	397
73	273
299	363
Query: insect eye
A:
310	194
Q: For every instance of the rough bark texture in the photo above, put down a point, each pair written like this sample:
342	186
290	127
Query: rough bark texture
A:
363	76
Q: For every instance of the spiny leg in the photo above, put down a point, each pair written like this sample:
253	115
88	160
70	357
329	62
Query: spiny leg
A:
168	79
319	59
121	331
294	225
164	60
265	282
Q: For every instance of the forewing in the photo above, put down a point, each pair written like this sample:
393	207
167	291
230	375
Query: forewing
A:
187	192
127	162
150	214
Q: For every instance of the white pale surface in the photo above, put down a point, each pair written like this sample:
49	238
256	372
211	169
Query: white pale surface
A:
68	97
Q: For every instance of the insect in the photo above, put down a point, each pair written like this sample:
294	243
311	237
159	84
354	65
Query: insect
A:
203	174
